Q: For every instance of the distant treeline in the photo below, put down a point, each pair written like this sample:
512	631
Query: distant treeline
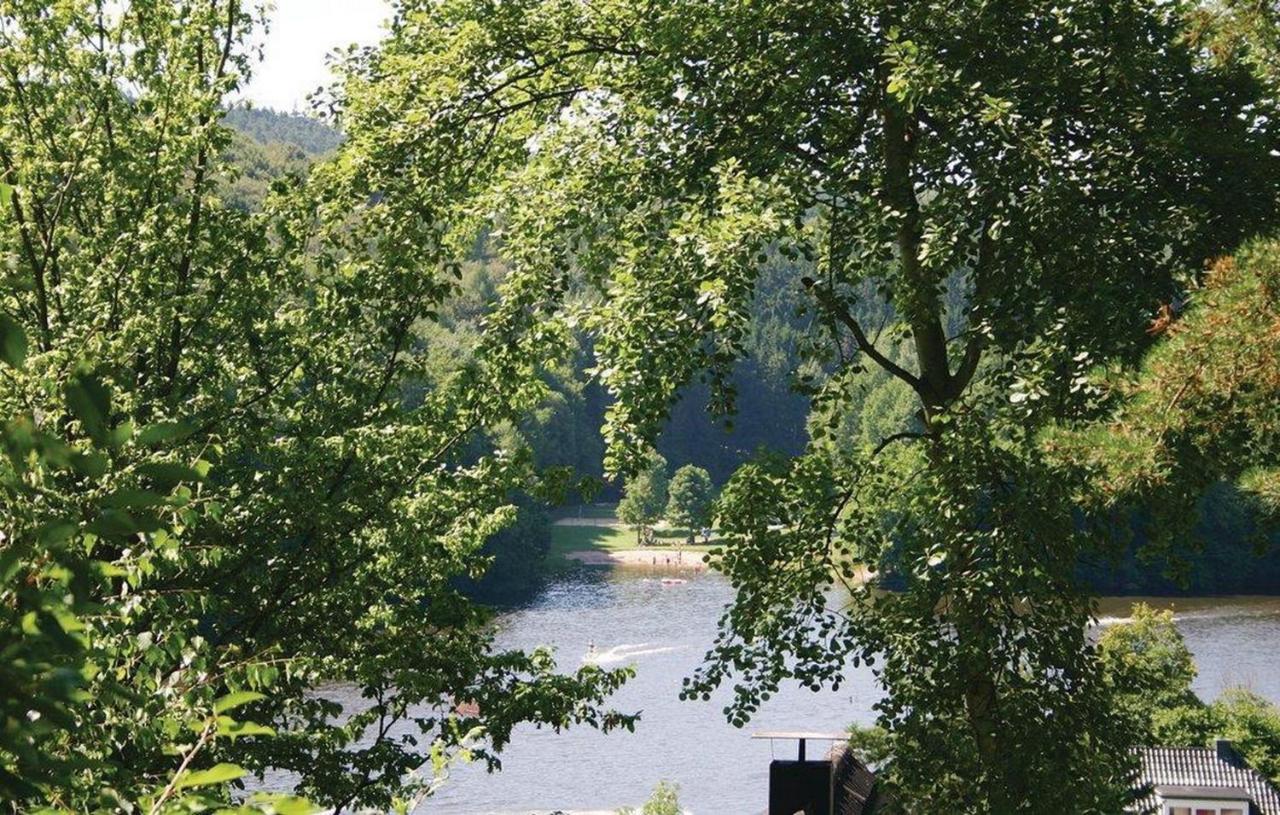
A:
1228	555
267	126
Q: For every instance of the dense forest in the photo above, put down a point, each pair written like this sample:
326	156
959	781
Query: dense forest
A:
1226	553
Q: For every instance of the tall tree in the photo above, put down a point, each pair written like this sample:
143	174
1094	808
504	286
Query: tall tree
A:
1066	165
316	480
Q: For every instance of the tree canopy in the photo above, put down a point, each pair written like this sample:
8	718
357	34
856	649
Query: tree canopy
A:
689	499
1069	168
644	496
244	420
251	485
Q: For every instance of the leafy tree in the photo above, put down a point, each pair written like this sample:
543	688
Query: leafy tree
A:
1201	409
339	488
1150	665
662	149
644	497
66	645
689	499
1246	30
664	801
1147	659
872	745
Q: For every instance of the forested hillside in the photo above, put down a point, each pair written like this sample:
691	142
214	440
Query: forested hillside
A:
267	126
1225	554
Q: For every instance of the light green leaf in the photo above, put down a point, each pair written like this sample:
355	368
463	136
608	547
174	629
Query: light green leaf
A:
217	774
168	475
236	699
231	728
284	804
161	432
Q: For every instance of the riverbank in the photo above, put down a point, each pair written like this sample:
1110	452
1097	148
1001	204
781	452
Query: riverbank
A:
660	557
597	538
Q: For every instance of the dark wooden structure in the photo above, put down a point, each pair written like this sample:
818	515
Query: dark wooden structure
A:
832	782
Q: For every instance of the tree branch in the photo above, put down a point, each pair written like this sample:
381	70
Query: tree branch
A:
833	307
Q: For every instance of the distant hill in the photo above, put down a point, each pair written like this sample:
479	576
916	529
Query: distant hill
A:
269	145
267	126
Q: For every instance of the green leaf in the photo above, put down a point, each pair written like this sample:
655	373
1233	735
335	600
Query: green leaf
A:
217	774
127	497
231	728
284	804
13	342
167	475
89	400
234	700
6	194
161	432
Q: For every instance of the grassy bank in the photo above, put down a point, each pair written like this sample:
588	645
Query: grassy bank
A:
567	539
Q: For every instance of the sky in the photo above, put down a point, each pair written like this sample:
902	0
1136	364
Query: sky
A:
302	33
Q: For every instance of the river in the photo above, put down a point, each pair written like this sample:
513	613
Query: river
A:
664	630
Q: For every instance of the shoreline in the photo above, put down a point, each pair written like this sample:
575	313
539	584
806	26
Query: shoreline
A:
678	561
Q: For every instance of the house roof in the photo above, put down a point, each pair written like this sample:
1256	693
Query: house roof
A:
1202	769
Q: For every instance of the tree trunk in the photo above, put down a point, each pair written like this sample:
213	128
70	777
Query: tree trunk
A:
917	300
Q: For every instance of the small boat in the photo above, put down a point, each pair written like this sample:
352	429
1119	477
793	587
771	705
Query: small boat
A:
673	581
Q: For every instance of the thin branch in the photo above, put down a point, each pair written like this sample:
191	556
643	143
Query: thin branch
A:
833	307
902	436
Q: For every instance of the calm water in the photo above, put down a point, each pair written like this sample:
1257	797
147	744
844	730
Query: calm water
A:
664	631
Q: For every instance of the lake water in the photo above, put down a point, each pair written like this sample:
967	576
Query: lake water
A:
664	630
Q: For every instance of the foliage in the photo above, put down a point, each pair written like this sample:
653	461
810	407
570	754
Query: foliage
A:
664	801
689	500
1252	723
1148	661
86	538
257	167
899	148
644	497
269	357
872	745
1203	408
1244	30
1150	666
516	555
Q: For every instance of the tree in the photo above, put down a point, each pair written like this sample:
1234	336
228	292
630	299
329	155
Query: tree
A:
664	801
644	496
663	148
1150	666
1147	659
254	456
690	499
53	629
1200	409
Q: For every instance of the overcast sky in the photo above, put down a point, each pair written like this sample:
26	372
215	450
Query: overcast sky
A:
302	33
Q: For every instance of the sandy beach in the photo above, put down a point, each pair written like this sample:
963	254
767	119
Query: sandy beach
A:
667	559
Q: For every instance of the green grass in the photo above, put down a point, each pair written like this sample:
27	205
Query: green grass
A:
565	539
